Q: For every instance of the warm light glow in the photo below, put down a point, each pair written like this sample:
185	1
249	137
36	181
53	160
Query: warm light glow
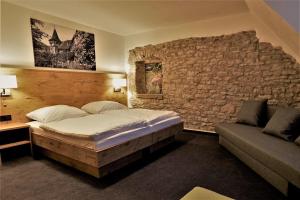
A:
127	68
8	81
129	96
119	82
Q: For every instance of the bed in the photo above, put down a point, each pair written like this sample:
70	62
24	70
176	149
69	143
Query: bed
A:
99	144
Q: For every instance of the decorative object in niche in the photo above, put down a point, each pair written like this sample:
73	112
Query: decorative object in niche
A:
59	47
149	79
153	75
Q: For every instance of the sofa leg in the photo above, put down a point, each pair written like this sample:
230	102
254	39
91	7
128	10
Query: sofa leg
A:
293	192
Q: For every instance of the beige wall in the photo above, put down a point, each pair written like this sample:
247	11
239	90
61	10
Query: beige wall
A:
290	38
16	42
211	27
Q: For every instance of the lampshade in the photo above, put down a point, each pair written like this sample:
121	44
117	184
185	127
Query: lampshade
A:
119	82
8	81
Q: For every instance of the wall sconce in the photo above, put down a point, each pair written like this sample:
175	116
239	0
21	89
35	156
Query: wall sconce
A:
118	83
7	82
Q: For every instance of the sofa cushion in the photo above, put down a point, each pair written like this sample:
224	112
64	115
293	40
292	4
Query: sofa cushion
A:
281	156
285	123
252	112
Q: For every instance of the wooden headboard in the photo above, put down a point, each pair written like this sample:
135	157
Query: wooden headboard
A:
39	88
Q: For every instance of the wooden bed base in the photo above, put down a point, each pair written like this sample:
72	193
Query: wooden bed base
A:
103	162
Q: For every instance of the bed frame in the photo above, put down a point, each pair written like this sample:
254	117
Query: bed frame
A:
103	162
41	87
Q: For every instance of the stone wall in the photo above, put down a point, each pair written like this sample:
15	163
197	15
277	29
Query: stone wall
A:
206	79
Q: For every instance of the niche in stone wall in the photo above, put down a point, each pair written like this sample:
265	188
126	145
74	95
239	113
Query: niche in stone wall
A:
149	79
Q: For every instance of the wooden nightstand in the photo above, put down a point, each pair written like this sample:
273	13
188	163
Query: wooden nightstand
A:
13	135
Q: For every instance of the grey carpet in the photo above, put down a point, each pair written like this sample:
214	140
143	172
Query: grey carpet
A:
194	160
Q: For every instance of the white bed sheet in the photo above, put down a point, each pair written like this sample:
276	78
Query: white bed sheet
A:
113	140
95	126
109	123
135	133
150	116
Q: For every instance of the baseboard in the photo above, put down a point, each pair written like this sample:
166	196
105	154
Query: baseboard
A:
198	131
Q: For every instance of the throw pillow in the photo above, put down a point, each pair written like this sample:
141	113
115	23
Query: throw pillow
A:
285	123
252	112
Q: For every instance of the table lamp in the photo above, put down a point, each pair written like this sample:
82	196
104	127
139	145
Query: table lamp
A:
118	83
6	82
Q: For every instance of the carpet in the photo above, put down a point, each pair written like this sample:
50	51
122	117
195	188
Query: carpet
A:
193	160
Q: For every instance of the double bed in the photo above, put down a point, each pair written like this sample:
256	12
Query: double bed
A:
100	143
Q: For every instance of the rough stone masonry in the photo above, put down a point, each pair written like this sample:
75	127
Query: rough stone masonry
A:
206	79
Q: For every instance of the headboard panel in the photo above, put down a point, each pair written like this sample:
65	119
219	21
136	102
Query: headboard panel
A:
39	88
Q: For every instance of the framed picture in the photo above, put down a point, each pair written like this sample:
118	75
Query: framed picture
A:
60	47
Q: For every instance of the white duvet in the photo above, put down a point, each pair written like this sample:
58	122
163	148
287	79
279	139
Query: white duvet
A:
149	116
108	123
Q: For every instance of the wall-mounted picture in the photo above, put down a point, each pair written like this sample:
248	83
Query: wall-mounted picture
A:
60	47
153	78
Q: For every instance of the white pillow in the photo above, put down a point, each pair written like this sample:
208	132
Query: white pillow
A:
55	113
100	106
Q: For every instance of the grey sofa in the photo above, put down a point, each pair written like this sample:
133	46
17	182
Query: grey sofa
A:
276	160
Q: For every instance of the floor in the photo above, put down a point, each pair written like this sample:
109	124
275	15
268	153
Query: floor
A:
194	160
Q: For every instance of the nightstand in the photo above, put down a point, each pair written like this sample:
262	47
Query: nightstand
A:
14	135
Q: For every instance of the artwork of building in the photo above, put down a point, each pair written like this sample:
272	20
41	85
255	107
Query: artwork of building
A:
77	52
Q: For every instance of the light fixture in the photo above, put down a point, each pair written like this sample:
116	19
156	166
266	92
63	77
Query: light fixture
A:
7	82
118	83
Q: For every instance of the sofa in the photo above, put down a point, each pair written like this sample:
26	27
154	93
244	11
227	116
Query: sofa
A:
275	159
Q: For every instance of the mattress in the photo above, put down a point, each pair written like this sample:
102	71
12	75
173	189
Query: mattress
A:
103	125
112	140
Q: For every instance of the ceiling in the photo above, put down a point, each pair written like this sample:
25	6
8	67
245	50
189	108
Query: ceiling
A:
289	10
131	17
